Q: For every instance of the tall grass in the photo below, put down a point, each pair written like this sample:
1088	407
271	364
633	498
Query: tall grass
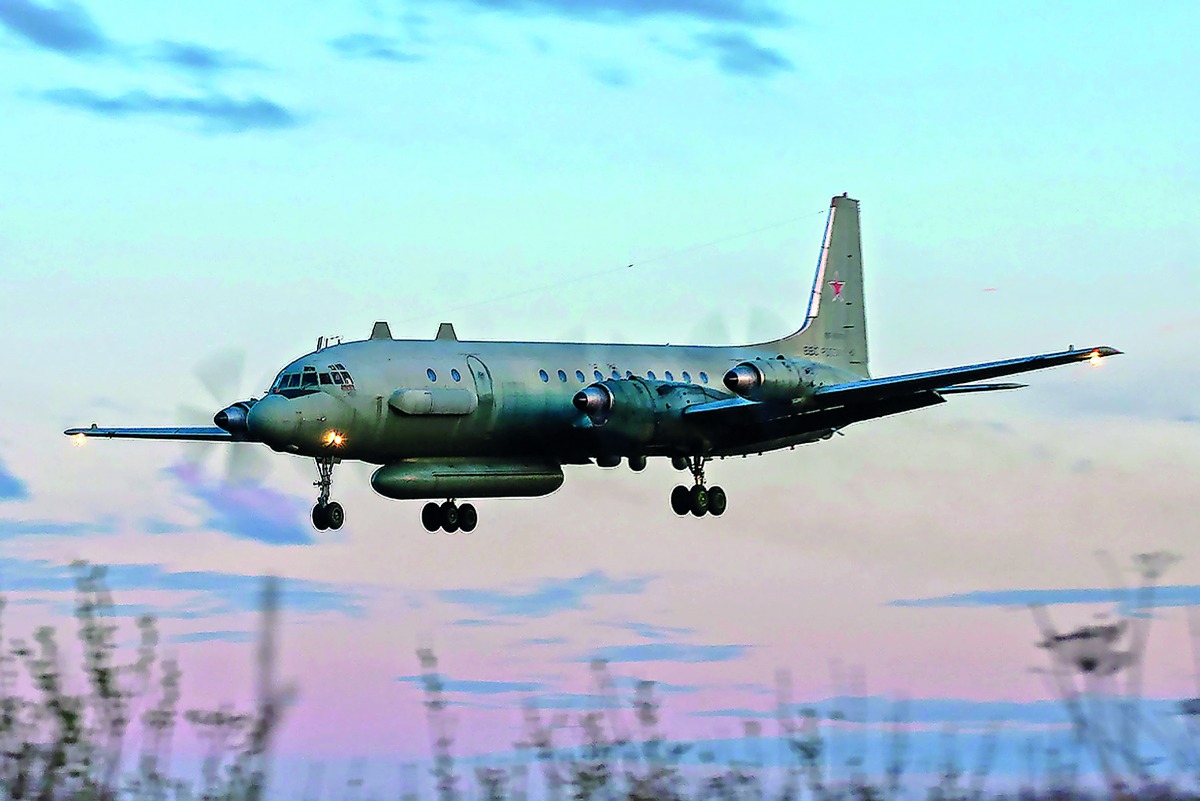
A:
58	744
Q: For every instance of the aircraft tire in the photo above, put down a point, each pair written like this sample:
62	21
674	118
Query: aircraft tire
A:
717	501
468	518
335	515
319	517
681	500
449	517
698	500
431	517
637	463
679	462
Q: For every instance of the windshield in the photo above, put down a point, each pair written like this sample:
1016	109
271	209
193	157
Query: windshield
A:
295	381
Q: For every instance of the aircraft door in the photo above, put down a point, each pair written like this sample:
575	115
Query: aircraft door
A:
483	387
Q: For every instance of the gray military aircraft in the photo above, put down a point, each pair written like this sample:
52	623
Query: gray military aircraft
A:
448	419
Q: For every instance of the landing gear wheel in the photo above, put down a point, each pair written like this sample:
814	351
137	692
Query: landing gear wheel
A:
698	498
449	514
431	517
335	515
467	518
680	462
637	463
717	501
681	500
320	517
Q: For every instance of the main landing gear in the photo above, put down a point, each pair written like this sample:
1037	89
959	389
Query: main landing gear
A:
449	516
326	514
699	500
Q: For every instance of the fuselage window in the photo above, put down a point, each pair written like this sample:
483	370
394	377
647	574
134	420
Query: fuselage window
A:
598	376
456	375
431	375
562	376
668	375
579	375
629	374
686	378
703	377
325	379
650	375
542	375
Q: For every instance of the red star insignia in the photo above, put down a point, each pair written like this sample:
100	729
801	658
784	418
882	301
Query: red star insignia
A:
837	288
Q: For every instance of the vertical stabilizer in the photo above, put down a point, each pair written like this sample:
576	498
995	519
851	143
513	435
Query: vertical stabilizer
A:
835	324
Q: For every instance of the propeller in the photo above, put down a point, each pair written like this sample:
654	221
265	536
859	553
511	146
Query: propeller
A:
221	375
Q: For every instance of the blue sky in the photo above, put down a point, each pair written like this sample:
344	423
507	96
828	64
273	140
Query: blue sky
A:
181	181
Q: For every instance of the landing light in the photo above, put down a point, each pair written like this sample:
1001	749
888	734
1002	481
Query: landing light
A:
79	439
1095	357
334	439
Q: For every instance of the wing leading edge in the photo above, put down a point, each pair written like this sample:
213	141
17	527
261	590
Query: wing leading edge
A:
186	433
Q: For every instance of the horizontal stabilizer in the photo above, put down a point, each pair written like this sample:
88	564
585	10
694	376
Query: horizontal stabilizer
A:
190	434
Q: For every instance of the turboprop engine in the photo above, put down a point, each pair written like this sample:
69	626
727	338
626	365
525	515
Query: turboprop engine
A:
771	380
637	412
234	418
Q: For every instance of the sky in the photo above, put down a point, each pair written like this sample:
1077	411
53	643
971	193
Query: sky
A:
190	186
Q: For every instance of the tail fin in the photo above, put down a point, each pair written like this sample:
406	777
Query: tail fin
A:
835	325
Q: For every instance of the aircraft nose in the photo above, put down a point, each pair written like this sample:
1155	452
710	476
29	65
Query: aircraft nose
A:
272	421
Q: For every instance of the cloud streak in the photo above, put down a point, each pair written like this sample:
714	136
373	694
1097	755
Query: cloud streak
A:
56	528
1164	596
478	687
666	652
370	46
245	510
739	55
11	487
216	113
66	29
548	597
744	12
200	59
224	592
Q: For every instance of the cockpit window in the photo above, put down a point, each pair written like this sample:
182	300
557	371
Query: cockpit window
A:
292	381
337	378
308	379
325	379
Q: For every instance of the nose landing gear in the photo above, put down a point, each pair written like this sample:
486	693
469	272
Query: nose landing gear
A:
450	517
698	500
326	514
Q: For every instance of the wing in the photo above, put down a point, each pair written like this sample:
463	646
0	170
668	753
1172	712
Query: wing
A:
950	378
192	434
839	404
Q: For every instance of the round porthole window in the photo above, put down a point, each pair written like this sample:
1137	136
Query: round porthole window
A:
455	375
687	378
542	374
669	376
562	376
579	375
704	377
598	376
650	375
432	375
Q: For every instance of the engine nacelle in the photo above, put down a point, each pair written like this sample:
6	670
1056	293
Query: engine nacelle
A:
637	412
234	418
770	380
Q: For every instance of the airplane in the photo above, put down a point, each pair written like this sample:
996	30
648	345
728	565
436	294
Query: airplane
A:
447	419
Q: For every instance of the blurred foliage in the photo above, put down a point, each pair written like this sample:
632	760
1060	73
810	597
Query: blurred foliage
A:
57	744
